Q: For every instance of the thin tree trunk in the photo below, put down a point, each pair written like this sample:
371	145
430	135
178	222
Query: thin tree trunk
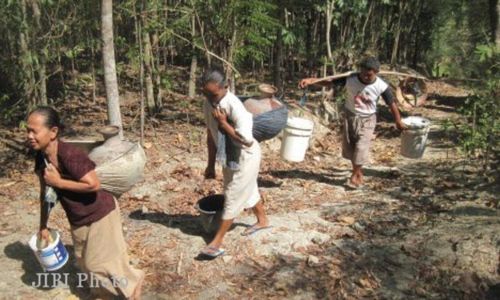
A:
28	84
192	76
395	48
230	58
278	57
194	63
309	32
329	19
138	40
495	23
92	66
148	76
323	89
363	32
108	56
61	71
156	60
41	65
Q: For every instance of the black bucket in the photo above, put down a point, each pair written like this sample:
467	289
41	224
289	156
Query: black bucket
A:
210	208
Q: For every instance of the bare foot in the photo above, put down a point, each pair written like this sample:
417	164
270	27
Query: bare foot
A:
355	180
360	180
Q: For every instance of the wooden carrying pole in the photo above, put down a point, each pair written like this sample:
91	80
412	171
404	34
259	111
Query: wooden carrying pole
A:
347	74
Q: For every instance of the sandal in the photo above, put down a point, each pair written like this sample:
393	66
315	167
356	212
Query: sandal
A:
253	229
212	252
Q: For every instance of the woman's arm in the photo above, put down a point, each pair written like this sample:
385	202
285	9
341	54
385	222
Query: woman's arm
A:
44	206
212	152
221	117
227	128
89	183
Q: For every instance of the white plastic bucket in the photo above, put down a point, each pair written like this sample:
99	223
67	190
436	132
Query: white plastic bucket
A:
296	137
54	256
414	138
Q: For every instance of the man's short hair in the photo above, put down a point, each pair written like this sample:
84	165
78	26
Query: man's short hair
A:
214	75
370	63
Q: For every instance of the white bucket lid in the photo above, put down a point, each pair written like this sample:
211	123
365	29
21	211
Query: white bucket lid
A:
299	123
416	122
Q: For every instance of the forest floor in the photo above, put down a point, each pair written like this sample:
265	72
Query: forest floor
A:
421	229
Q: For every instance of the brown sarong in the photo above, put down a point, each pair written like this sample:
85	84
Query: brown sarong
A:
101	252
357	137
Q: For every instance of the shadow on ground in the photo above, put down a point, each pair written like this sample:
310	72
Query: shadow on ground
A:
34	276
187	224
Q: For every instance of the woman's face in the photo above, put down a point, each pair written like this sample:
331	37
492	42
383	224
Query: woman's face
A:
38	134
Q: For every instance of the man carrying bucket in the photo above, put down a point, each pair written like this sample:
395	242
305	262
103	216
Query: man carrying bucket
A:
93	214
230	141
363	90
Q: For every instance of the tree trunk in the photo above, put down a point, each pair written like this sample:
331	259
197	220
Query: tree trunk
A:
329	18
230	58
40	66
495	24
498	25
92	66
138	38
363	32
278	57
309	48
148	74
192	76
194	63
108	57
395	47
29	82
156	60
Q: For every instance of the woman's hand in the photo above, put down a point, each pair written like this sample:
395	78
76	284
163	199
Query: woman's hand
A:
220	115
44	234
400	125
210	172
52	176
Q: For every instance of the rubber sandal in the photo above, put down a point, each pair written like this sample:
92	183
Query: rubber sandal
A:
253	229
212	252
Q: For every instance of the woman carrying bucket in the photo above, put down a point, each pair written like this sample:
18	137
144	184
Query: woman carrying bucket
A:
93	214
230	140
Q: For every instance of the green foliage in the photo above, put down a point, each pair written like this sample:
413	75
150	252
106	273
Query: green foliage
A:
441	35
481	132
166	82
458	28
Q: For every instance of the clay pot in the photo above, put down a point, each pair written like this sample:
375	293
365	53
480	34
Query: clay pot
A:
267	90
112	148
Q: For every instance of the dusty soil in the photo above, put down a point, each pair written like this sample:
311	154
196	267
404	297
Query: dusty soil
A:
427	228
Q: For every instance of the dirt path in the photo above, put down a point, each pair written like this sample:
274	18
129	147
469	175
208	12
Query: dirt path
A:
421	229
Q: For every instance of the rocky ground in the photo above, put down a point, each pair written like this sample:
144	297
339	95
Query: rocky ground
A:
421	229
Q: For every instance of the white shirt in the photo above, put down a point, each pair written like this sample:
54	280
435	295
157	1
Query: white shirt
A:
239	117
362	98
